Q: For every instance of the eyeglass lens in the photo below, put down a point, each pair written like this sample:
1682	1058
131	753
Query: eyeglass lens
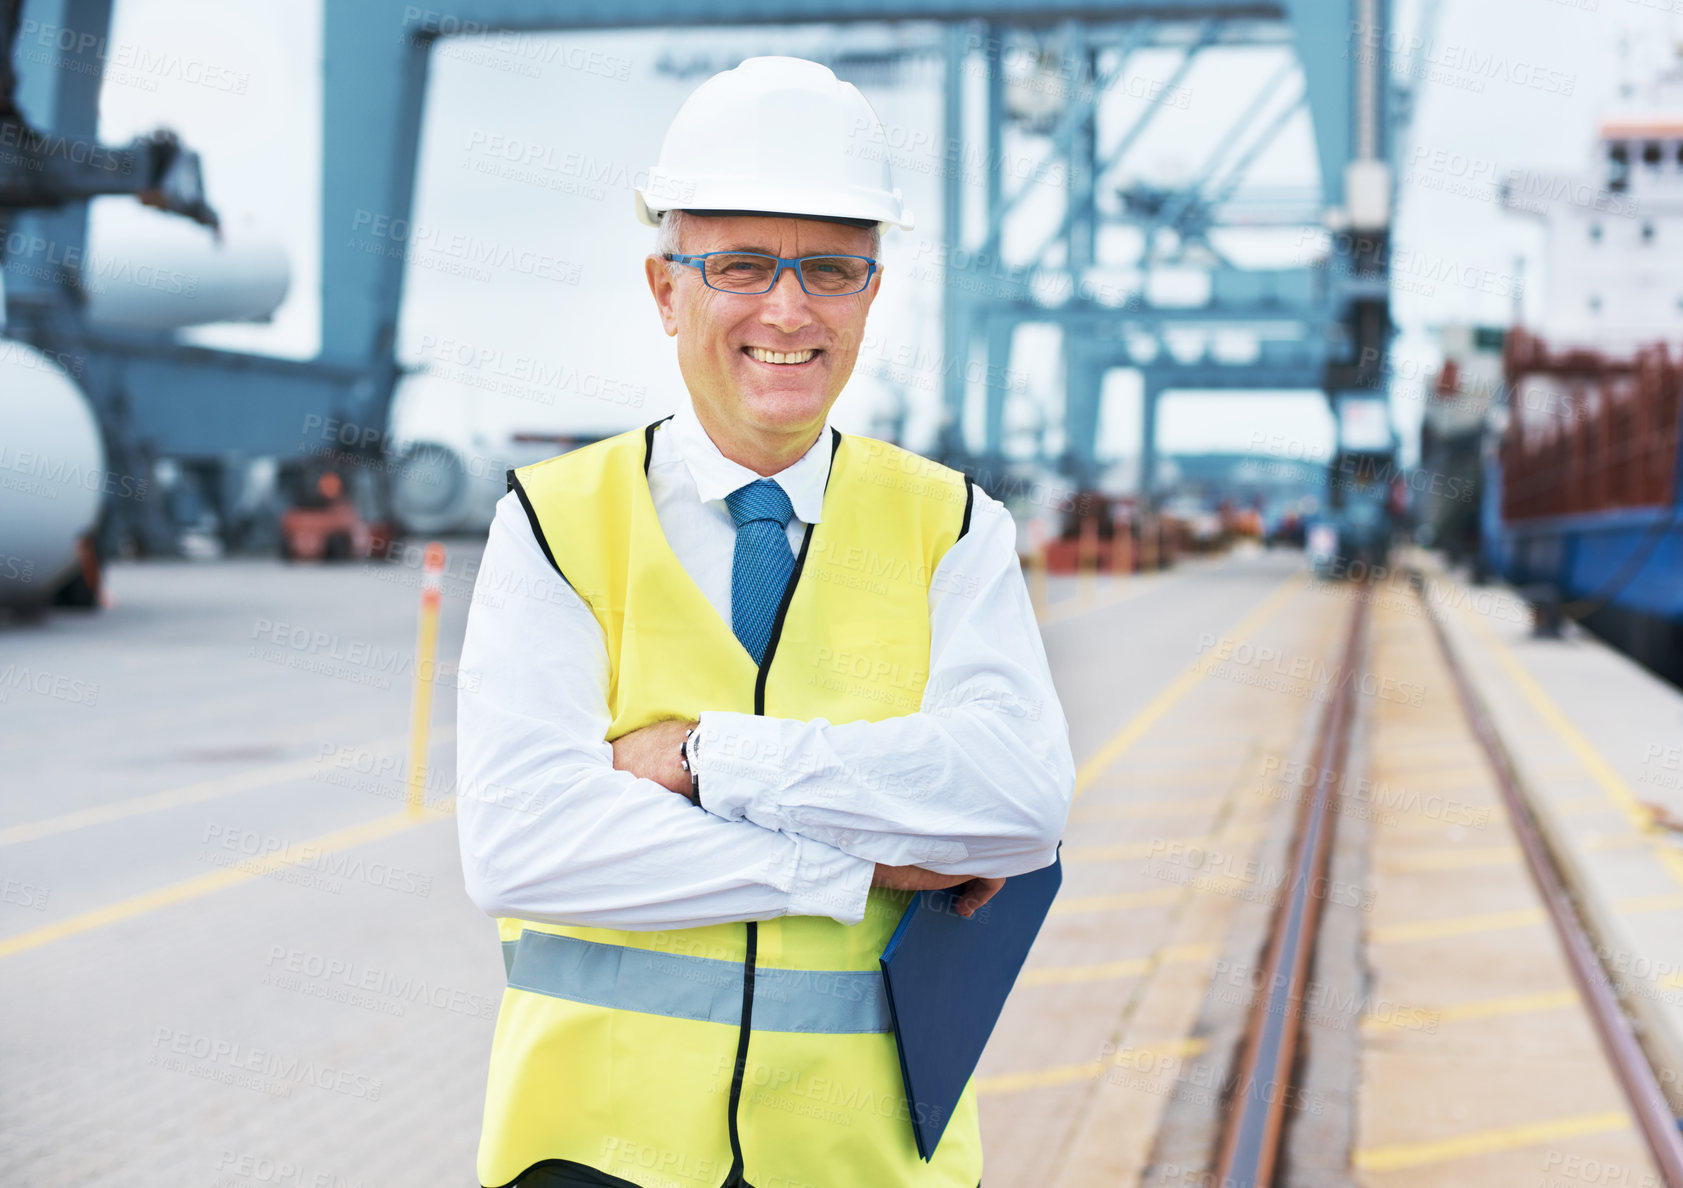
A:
750	272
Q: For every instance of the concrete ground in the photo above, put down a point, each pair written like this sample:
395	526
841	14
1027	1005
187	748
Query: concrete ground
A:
1596	742
1479	1062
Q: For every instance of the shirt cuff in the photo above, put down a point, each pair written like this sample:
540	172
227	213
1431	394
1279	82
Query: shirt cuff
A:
731	762
829	882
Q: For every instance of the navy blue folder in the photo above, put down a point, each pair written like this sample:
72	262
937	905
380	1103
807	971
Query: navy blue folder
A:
947	979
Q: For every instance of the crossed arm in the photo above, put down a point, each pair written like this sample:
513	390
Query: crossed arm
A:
557	824
651	753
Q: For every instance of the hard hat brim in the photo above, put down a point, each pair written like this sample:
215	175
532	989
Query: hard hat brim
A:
651	215
786	214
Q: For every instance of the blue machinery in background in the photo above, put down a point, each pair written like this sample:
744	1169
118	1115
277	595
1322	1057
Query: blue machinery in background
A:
1322	325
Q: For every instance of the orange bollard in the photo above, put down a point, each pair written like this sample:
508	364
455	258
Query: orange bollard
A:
1087	559
426	649
1037	568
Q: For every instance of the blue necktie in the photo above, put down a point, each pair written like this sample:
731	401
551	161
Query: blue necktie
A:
760	570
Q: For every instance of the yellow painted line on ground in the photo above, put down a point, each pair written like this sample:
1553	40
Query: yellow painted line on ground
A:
1455	756
1605	842
152	802
1563	728
1413	818
1670	859
1388	768
1430	735
1457	926
1418	825
1063	1074
1488	1008
1147	808
1112	970
1114	903
1486	1142
215	880
1433	781
1428	727
1164	845
1452	859
1649	903
1135	729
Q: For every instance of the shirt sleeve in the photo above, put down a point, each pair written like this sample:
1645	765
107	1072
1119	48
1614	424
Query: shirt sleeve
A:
548	829
978	781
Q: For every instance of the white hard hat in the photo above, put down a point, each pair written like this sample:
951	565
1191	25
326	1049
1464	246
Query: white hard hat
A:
775	136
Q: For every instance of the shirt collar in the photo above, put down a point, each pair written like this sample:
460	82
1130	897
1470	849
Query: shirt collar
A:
716	476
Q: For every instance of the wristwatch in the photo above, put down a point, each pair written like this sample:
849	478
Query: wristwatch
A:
689	749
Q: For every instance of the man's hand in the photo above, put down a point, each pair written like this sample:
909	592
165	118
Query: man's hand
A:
973	892
651	753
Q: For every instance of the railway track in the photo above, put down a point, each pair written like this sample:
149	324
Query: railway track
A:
1248	1151
1250	1143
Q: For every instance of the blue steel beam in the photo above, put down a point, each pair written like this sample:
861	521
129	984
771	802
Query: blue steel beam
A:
1327	43
197	402
1080	214
1206	37
1197	191
1242	166
65	102
955	306
492	15
378	70
1242	126
1062	136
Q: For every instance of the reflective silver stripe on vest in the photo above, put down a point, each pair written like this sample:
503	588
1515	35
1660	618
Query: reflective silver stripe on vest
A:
508	957
830	1002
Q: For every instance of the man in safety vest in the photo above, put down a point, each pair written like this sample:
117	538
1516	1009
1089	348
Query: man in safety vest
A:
743	684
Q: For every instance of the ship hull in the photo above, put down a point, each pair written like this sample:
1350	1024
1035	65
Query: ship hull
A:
1618	572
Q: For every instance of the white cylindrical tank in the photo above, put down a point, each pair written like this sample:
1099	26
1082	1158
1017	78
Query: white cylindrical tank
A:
165	273
52	474
430	489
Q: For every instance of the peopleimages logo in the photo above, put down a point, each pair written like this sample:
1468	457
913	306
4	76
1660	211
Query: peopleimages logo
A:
53	472
46	684
174	1047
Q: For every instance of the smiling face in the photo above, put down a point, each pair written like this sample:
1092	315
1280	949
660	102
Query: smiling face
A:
761	412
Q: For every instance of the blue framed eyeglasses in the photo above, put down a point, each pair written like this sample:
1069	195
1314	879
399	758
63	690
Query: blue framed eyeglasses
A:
756	272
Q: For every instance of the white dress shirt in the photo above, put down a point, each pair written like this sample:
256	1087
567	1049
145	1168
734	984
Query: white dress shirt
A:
794	814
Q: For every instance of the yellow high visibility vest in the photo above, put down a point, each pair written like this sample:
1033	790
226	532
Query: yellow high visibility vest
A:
761	1053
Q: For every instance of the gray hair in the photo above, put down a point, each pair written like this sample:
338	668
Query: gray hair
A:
671	231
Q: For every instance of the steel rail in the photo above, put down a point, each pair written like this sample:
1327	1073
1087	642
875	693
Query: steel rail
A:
1624	1051
1255	1114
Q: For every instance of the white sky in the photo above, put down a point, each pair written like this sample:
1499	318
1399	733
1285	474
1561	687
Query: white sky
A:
1493	101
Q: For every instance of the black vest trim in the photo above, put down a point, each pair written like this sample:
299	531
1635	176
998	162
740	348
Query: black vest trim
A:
734	1179
969	502
519	490
777	623
789	590
648	440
